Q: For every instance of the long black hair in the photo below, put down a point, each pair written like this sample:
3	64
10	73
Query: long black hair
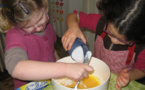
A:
128	17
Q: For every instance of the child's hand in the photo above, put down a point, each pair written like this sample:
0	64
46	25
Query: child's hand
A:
123	79
70	35
78	71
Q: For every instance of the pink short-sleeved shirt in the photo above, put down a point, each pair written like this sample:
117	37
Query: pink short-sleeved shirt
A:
140	62
38	48
88	20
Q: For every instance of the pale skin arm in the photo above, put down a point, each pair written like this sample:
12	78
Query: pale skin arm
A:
35	70
72	33
126	75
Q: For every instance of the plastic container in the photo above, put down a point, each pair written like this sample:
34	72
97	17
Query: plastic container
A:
101	70
78	50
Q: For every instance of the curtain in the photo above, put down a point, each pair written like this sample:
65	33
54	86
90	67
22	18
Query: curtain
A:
59	9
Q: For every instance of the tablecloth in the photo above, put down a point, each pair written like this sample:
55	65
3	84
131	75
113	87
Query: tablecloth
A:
133	85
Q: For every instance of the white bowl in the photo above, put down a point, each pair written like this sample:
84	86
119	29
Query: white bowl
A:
101	70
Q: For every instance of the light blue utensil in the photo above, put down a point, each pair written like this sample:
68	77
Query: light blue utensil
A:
86	61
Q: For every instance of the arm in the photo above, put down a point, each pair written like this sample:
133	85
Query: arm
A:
20	67
123	79
72	33
34	70
75	21
137	72
126	75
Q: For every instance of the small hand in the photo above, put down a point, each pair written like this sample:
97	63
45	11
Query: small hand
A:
70	35
78	71
123	79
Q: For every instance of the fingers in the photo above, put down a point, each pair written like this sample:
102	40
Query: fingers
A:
85	75
89	68
122	81
82	74
78	71
69	37
63	40
67	42
70	43
79	76
117	87
125	70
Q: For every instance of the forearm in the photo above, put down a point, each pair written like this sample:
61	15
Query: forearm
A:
72	32
72	20
34	70
136	74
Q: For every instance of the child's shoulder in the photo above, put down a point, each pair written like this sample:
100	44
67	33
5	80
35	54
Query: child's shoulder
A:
13	35
12	31
50	28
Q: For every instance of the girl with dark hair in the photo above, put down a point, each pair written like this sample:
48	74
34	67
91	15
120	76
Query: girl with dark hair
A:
30	53
120	36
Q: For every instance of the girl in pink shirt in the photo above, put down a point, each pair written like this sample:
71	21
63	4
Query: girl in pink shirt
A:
120	36
30	53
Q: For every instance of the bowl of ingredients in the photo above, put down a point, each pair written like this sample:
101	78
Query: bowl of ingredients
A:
98	80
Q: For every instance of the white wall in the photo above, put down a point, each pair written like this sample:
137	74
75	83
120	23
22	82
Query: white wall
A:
75	5
90	7
68	7
87	6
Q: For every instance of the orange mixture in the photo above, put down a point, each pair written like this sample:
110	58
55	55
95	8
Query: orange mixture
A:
89	82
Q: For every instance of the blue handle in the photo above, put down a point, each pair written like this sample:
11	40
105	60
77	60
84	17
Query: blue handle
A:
78	42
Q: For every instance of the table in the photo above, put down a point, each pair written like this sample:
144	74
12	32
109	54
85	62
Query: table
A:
133	85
